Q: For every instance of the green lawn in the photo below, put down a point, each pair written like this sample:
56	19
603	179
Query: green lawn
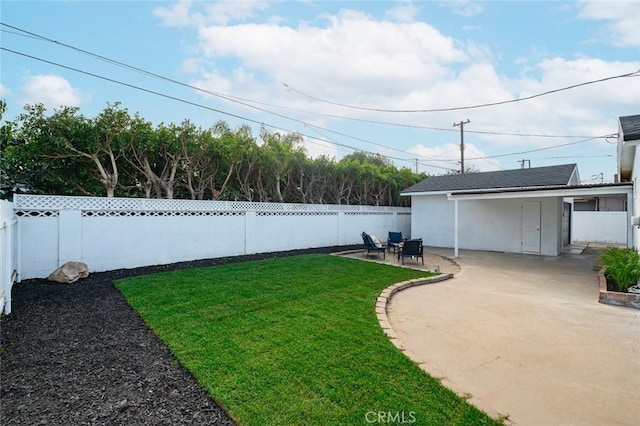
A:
294	341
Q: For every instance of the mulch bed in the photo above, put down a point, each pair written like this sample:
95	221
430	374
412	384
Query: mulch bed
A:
78	354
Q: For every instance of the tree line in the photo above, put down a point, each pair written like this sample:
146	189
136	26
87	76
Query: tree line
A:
119	154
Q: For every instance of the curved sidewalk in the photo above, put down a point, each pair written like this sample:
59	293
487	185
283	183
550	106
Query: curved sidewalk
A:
525	337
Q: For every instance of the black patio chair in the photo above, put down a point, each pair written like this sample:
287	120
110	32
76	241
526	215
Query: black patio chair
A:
370	246
394	240
411	248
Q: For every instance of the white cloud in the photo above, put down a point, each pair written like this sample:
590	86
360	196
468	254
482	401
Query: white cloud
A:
464	8
177	15
337	60
406	12
622	16
411	65
223	12
3	90
51	90
447	156
316	148
212	82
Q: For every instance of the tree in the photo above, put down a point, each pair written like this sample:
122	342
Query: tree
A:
467	169
137	150
36	153
244	155
168	144
66	153
278	154
207	163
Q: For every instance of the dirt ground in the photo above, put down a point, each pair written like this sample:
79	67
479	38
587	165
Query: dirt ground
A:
77	354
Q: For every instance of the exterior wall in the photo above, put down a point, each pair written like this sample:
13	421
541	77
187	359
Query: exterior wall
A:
494	225
432	219
599	227
114	233
636	200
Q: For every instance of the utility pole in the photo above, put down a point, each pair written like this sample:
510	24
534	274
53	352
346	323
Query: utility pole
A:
461	124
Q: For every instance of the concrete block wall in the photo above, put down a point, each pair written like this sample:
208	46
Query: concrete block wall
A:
601	227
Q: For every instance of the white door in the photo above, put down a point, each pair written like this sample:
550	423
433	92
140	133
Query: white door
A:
531	227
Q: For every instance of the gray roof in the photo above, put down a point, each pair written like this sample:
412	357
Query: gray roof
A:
630	127
516	178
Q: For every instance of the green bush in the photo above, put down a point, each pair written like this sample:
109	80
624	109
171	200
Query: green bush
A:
623	266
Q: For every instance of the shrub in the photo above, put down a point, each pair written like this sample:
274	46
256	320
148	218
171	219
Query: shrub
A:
623	266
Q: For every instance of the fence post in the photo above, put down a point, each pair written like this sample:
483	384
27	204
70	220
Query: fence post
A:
7	256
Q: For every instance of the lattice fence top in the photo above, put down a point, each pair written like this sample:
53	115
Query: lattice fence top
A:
24	202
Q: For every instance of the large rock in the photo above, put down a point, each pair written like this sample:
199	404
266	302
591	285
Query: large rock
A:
70	272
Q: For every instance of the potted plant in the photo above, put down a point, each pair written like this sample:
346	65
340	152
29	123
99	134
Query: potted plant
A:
619	275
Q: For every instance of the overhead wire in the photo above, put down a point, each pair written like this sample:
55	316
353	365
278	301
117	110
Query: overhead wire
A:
461	108
411	161
164	95
118	63
533	150
242	101
233	99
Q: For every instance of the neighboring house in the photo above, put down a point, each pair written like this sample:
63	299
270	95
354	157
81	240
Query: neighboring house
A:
521	211
628	167
600	204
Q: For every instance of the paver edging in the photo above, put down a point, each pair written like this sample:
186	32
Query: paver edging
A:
382	304
615	298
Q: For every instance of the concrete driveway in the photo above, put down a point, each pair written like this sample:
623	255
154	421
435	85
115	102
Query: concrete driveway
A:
525	337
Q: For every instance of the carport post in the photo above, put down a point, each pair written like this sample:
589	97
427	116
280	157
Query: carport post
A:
455	232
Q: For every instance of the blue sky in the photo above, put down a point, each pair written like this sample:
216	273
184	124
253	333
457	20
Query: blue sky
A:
325	69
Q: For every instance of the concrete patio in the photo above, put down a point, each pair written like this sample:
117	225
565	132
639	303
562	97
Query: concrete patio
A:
523	337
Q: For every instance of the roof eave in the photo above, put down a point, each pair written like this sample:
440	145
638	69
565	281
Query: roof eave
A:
538	192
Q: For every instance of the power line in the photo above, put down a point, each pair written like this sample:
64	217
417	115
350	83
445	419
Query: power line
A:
526	98
132	86
412	161
534	150
251	106
210	108
273	126
130	67
243	101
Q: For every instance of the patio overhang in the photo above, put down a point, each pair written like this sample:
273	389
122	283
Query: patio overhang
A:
595	190
625	188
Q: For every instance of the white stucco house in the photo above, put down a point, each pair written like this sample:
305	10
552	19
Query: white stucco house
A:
524	210
629	162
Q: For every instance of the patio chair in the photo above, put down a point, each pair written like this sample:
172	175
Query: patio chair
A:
411	248
371	246
394	240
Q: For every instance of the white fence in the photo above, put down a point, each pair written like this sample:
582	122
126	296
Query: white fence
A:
114	233
599	227
8	254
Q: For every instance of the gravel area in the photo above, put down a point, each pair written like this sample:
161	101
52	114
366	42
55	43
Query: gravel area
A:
77	354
